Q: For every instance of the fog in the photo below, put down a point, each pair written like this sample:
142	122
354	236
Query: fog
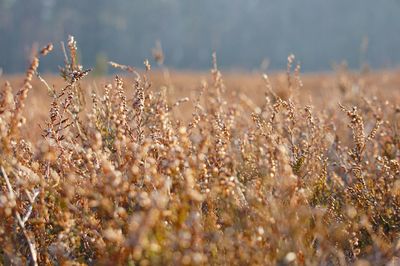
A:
246	34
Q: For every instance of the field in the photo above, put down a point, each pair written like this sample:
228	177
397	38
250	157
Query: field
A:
154	167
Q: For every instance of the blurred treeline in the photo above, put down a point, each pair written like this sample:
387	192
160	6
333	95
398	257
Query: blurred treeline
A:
247	34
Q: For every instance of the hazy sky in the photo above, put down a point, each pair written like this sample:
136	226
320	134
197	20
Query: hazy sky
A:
244	33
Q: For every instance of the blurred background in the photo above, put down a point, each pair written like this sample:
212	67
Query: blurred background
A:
246	34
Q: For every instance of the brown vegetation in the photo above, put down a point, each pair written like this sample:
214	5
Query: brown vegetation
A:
152	172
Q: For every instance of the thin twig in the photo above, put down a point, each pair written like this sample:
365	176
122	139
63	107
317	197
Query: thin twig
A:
66	61
51	91
21	222
30	208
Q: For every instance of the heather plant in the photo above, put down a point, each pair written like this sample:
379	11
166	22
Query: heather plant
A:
121	178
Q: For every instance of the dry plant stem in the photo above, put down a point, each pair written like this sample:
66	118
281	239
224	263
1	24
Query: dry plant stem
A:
49	90
22	221
30	208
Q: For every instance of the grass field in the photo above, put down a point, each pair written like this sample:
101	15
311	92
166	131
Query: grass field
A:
182	168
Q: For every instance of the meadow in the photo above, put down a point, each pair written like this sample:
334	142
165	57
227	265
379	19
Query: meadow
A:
158	167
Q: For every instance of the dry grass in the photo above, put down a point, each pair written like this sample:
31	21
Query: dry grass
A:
154	169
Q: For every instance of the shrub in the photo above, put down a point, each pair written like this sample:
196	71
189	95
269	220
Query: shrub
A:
125	179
